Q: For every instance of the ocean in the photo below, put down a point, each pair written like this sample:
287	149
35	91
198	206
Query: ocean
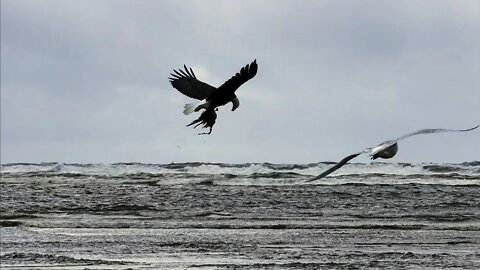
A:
240	216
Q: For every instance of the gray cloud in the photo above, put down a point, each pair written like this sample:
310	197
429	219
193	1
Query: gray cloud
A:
87	81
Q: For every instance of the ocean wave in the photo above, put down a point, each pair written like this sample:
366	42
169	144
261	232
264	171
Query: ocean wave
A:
471	163
10	223
54	260
332	226
435	218
223	171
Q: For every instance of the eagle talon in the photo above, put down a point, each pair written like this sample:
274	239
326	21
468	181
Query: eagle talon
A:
206	120
206	133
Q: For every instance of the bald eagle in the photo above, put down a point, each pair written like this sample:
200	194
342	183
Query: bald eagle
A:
210	97
387	149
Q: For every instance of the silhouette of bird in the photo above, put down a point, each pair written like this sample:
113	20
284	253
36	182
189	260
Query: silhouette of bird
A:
207	119
210	97
387	149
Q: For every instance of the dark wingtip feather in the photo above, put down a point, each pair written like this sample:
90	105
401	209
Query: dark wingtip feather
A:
188	72
193	74
183	73
175	76
253	68
474	127
242	71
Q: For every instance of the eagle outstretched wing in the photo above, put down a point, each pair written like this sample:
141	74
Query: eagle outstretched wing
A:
187	83
246	73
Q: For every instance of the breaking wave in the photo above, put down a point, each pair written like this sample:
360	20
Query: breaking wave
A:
53	260
247	173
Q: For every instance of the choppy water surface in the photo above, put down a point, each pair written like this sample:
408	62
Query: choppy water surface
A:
239	216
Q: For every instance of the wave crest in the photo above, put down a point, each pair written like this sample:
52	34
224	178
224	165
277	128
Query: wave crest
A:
236	173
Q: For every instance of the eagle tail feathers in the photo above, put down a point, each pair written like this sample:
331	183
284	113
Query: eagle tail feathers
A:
195	107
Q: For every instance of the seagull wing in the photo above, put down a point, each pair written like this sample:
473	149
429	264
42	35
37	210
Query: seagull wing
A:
245	74
384	145
187	83
389	143
433	130
336	167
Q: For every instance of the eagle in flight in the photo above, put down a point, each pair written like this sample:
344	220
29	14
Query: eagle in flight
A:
210	97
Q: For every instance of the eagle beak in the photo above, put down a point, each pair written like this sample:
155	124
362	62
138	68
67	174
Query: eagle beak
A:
235	103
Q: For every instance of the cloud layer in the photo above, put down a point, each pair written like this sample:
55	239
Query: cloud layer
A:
87	82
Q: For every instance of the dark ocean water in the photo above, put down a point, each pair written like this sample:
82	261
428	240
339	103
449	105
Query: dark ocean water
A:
239	216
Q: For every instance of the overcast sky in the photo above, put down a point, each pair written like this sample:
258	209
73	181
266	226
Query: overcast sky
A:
87	81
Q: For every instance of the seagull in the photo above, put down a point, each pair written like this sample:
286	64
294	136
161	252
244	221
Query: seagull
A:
210	97
386	149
